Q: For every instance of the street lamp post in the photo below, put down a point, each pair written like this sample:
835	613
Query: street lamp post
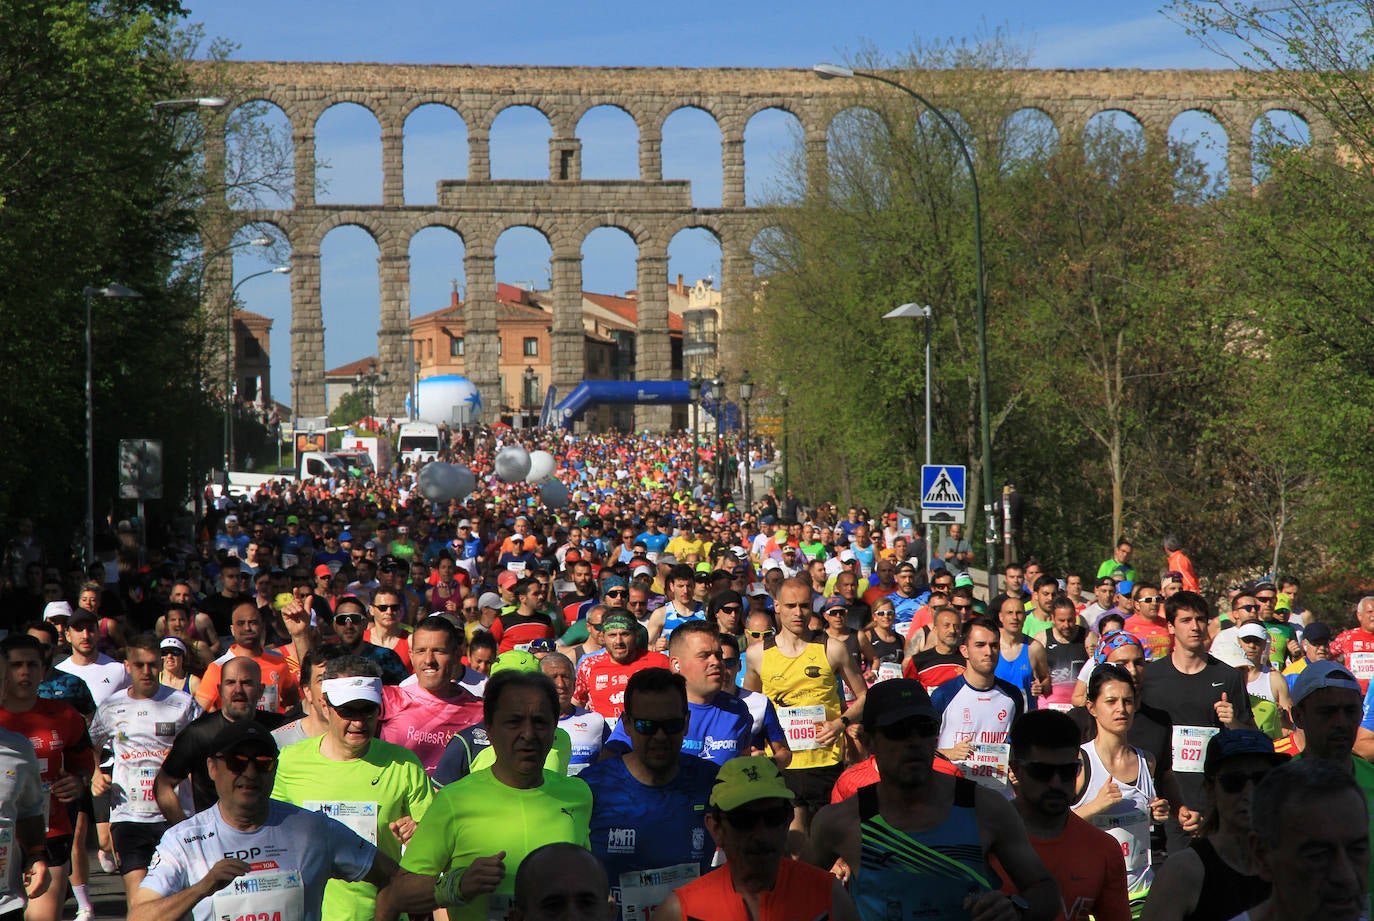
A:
694	392
295	413
88	293
746	393
786	405
526	395
229	363
915	310
718	394
831	71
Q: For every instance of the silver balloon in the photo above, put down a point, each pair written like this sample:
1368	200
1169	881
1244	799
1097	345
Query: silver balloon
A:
512	464
466	482
553	494
438	481
541	467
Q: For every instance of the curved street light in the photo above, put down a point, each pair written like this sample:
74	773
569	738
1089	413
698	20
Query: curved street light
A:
229	360
89	292
837	71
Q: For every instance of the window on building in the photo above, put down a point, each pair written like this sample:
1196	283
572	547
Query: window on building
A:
531	346
251	348
455	347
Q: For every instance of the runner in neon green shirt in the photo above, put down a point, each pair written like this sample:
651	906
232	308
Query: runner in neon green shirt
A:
378	789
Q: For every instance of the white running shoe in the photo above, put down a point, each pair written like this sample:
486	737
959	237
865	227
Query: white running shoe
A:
107	863
85	914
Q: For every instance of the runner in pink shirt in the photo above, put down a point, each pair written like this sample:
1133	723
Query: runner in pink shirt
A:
424	716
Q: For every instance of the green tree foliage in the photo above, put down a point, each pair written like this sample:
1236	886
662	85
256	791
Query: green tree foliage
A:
91	192
354	405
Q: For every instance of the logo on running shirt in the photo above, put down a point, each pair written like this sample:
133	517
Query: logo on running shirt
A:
620	840
812	671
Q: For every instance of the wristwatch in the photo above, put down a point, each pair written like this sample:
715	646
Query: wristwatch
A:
1023	909
845	721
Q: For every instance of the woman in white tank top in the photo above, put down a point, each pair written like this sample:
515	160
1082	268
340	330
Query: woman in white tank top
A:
1118	791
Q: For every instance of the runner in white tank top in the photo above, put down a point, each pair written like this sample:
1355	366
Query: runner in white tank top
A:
1128	820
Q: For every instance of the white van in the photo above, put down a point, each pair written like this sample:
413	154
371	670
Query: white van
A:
418	441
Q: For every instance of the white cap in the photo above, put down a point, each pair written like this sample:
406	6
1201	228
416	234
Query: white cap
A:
756	588
340	691
846	556
1252	631
57	609
771	564
172	642
231	519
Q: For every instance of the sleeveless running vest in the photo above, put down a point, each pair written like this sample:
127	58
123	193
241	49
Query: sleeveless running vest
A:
1225	892
1128	821
796	686
1066	660
1017	672
925	874
801	892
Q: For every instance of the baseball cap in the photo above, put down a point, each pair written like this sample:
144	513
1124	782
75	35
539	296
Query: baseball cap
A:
721	599
231	519
894	700
1252	631
745	780
507	578
81	618
1233	743
906	566
172	644
835	601
515	660
465	523
1316	633
770	564
490	600
322	570
963	580
572	556
292	519
757	588
1321	675
57	609
243	734
643	569
702	567
353	688
1125	587
345	535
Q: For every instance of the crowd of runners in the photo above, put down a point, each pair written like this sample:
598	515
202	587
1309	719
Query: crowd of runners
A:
343	700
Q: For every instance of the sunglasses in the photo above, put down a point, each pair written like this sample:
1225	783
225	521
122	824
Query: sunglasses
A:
1252	608
356	712
749	819
670	727
962	607
616	593
758	634
592	626
348	618
1043	771
1235	781
386	607
905	729
237	764
1147	599
881	613
730	609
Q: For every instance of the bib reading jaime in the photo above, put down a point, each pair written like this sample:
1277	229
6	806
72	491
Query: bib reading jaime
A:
801	725
1189	746
359	816
641	891
263	895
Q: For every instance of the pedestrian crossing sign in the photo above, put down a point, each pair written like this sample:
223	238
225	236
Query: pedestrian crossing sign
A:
942	487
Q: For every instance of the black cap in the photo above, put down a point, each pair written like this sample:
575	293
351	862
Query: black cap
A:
81	618
1316	633
721	599
243	734
894	700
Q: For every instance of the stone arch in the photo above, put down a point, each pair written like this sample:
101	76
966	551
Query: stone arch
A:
259	167
605	154
687	151
518	139
431	149
351	293
632	226
266	296
1199	144
350	171
1124	125
433	271
849	135
373	223
774	167
1028	134
609	255
1276	129
530	268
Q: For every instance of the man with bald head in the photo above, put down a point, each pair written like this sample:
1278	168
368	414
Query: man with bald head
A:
240	691
562	882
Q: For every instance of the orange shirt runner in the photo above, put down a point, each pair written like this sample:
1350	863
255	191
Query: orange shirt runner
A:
280	689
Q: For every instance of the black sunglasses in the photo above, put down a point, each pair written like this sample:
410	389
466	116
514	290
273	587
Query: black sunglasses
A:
616	592
265	764
749	819
1042	771
905	729
670	727
386	607
1235	781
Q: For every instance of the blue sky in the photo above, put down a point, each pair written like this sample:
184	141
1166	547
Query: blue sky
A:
709	33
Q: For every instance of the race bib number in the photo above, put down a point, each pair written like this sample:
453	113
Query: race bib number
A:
641	891
359	816
1054	705
271	695
516	567
6	849
801	725
264	895
1189	746
888	671
1132	831
987	764
140	794
1362	665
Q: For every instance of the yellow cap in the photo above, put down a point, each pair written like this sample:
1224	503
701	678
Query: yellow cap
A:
515	660
743	780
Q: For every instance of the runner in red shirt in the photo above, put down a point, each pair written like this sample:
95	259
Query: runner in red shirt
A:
526	623
1355	647
601	678
65	760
